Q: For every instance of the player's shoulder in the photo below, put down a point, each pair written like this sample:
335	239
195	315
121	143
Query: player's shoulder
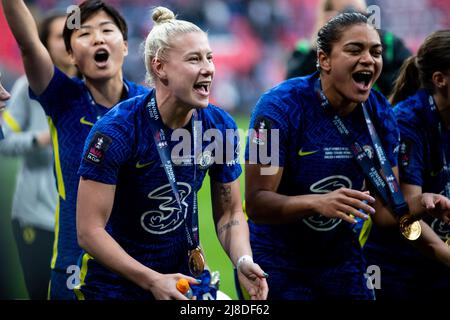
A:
412	108
125	115
378	105
71	87
135	89
290	95
377	98
215	116
291	88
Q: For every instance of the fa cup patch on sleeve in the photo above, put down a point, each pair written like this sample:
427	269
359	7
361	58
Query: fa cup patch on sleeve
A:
97	148
405	149
261	130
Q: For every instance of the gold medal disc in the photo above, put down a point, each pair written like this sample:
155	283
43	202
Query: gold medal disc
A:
196	262
448	242
410	230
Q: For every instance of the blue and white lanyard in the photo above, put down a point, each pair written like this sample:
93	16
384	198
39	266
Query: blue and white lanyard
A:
162	145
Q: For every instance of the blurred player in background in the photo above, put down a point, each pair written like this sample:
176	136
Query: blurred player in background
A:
422	107
97	48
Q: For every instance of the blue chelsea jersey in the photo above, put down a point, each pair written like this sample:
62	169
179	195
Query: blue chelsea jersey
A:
420	164
71	112
145	218
422	147
315	160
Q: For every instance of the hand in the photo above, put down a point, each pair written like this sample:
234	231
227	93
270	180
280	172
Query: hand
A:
343	202
43	139
164	286
437	206
253	279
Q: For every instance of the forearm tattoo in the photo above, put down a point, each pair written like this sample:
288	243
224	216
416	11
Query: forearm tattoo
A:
227	226
225	194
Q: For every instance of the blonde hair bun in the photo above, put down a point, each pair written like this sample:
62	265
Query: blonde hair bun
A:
162	14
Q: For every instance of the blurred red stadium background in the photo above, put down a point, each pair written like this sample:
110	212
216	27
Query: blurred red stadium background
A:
251	39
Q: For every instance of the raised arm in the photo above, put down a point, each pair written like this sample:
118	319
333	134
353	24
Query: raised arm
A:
94	204
232	231
265	205
36	59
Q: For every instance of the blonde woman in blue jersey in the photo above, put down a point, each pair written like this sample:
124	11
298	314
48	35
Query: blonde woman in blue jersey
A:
97	47
137	204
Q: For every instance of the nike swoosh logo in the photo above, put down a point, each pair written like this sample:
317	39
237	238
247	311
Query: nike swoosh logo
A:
302	153
140	165
84	121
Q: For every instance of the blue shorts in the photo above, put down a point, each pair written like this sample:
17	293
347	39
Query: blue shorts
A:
59	289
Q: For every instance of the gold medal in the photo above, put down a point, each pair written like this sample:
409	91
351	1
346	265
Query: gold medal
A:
196	261
448	242
410	230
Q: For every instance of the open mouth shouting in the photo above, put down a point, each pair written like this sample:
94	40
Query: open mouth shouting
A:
101	57
363	79
202	88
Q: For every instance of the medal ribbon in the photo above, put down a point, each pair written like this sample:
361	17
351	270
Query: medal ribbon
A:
162	145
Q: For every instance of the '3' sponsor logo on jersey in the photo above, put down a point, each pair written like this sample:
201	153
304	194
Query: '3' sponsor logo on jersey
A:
168	216
318	222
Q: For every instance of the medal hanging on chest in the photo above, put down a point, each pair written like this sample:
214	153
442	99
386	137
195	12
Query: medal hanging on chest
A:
196	260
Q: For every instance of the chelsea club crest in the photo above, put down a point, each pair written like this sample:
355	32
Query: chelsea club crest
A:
205	160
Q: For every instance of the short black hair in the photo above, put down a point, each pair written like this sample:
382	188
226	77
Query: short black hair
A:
87	9
44	26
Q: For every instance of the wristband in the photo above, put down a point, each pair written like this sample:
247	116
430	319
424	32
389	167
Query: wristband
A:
242	259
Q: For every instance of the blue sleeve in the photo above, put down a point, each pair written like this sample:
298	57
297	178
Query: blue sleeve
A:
60	90
229	169
411	157
268	132
107	148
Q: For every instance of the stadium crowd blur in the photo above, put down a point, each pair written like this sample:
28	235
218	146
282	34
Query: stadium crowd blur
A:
251	39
